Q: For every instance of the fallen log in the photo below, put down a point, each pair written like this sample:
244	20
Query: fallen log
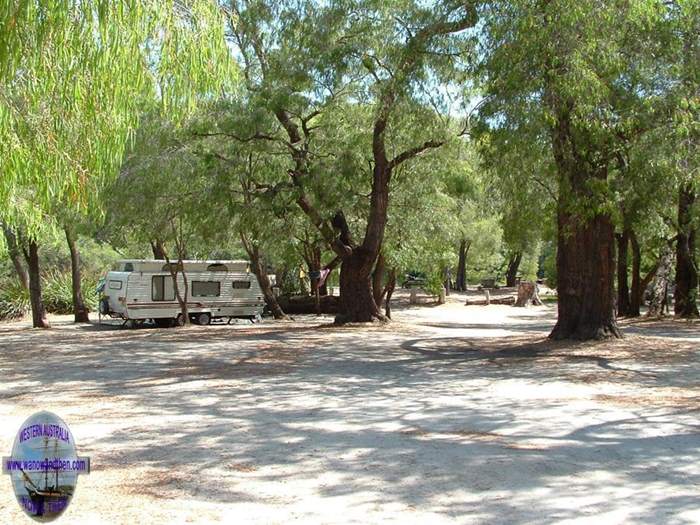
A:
485	302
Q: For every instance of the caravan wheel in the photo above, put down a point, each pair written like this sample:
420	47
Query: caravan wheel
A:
204	318
179	320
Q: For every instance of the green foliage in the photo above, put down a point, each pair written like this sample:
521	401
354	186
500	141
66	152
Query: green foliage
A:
87	70
14	300
58	294
434	283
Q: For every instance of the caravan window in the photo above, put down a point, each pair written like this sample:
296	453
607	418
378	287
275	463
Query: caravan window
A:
241	285
162	288
115	285
206	289
217	268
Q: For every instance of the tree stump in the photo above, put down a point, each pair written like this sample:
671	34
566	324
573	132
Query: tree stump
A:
528	294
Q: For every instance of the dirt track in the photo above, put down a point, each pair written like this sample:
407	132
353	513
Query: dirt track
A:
451	414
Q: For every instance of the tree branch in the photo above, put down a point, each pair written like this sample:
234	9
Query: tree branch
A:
414	152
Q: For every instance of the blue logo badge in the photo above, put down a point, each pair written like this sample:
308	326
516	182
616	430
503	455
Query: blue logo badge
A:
44	466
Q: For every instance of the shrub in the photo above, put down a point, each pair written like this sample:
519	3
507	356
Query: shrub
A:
14	300
58	292
434	284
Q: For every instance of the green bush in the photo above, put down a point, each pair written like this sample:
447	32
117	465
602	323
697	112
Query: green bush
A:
14	300
433	284
58	292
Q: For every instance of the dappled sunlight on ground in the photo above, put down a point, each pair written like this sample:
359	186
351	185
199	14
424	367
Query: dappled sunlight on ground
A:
450	414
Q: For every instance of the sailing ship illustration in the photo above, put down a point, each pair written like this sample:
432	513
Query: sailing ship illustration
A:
48	500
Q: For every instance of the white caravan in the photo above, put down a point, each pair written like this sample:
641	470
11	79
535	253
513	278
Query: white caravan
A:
138	290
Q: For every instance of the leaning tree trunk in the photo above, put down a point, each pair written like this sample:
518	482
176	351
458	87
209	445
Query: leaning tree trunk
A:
461	279
686	293
35	297
377	280
623	294
660	285
585	278
389	291
15	254
513	266
80	311
181	297
260	271
637	291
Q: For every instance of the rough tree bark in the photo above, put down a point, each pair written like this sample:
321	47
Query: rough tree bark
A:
686	293
585	270
15	254
80	311
461	279
513	266
623	294
38	311
258	267
660	285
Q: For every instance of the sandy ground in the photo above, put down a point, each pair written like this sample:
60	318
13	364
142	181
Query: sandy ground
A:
450	414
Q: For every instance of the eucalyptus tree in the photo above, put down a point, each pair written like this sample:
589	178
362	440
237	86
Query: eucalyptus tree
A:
75	75
558	74
302	60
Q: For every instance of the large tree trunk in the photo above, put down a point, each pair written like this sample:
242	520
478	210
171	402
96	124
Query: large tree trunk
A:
513	266
35	297
461	279
637	291
623	294
259	269
357	303
686	293
585	275
80	311
585	243
660	286
16	256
